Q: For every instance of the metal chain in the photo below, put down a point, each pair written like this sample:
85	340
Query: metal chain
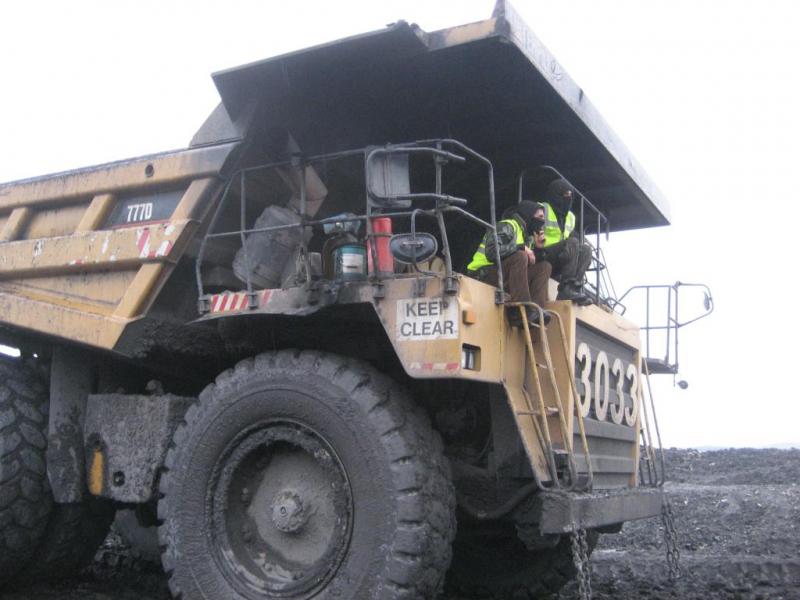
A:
670	540
580	558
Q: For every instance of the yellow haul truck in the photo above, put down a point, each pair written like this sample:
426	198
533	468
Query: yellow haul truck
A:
266	344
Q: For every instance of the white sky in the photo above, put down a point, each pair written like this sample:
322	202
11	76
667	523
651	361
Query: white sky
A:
704	93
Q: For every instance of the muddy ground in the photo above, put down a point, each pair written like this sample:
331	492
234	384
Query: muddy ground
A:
737	515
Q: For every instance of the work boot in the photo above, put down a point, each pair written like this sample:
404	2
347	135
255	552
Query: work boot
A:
514	318
583	299
570	290
533	318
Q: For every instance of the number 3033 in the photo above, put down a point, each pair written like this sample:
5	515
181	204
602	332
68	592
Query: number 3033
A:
626	407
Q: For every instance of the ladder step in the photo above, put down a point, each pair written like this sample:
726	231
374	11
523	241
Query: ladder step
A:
527	413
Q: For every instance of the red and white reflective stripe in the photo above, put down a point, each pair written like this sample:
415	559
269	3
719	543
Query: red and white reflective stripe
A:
233	301
437	366
143	244
163	249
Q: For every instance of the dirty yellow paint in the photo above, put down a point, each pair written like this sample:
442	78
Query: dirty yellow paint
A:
53	222
16	222
98	293
139	290
163	171
114	249
194	203
68	323
470	32
97	212
610	323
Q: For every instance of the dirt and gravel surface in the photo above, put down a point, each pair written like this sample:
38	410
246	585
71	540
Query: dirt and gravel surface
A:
737	514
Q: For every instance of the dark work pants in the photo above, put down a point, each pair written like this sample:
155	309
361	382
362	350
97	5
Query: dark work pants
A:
525	282
569	258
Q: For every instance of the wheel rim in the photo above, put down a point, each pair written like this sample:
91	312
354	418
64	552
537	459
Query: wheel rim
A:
280	511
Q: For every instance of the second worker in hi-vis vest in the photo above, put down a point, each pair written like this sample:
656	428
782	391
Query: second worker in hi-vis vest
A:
525	278
566	253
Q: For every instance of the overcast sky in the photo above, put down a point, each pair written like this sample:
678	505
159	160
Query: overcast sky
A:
704	93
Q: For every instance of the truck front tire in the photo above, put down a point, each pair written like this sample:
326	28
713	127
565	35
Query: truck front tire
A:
299	475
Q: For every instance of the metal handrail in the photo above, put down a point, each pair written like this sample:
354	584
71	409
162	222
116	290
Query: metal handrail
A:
441	155
656	478
443	205
673	322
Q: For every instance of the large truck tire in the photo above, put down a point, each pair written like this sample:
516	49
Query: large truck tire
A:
302	474
499	567
25	499
74	532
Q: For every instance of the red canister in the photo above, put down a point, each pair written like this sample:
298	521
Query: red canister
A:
381	234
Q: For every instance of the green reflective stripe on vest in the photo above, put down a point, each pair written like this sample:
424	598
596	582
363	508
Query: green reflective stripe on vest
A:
552	230
479	259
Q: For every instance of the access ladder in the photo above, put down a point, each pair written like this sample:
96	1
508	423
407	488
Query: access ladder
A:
546	416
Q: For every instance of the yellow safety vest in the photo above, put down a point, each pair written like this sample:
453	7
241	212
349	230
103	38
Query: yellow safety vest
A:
552	230
479	259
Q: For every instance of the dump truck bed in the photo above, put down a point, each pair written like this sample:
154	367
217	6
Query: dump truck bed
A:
90	255
491	84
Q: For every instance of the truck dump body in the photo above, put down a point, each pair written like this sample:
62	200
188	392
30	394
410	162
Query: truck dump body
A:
491	84
85	252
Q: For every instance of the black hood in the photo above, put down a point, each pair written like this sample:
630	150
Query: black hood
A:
560	195
524	212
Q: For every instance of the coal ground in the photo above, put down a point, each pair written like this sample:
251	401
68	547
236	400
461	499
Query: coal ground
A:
737	514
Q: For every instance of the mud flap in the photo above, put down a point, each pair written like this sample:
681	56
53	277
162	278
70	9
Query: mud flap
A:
127	438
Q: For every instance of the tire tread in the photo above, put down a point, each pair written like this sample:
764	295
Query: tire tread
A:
25	499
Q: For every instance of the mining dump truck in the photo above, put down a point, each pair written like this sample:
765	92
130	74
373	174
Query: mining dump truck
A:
266	344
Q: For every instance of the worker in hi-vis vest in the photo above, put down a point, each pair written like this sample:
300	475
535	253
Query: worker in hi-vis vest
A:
524	277
568	256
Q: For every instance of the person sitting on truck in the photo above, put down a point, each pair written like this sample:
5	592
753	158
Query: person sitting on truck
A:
566	253
524	277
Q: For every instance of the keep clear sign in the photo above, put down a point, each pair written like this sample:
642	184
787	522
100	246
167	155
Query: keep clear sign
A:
427	319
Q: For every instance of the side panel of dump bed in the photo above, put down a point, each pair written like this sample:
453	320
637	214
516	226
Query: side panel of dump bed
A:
84	253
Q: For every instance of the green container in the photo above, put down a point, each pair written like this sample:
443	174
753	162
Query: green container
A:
350	263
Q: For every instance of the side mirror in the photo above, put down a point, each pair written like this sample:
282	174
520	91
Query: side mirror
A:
707	301
410	248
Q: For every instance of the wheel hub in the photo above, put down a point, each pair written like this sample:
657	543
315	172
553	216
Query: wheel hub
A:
282	511
289	514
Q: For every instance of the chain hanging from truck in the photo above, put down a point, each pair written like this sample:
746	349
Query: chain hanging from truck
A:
580	558
671	540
